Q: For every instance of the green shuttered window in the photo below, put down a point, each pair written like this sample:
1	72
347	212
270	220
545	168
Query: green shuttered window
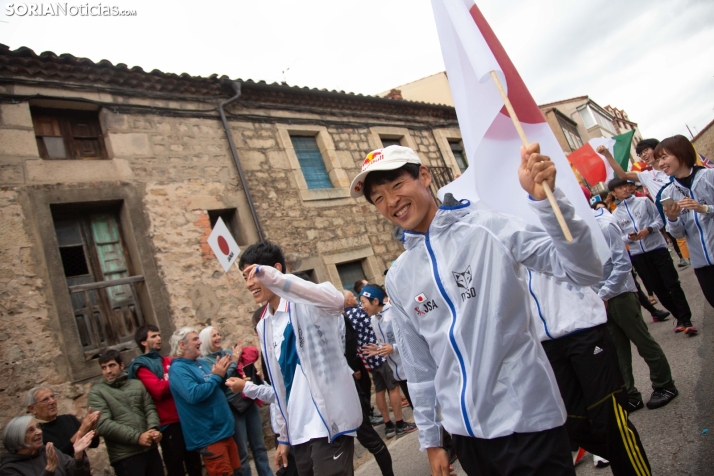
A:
350	273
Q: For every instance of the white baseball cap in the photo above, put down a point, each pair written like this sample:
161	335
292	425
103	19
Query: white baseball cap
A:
389	158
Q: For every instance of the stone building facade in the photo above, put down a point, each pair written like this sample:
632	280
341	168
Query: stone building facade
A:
112	175
704	141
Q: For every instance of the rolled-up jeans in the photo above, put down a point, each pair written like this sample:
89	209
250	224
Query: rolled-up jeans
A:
249	432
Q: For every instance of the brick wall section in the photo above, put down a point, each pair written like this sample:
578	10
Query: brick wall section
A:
204	224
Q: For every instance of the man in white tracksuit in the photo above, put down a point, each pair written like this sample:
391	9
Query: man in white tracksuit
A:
302	339
626	324
461	311
639	223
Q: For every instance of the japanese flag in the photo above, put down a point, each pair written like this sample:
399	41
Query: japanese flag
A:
471	51
223	245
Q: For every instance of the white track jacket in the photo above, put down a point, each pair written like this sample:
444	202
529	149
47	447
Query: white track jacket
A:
315	314
384	331
460	305
561	308
698	228
617	271
634	214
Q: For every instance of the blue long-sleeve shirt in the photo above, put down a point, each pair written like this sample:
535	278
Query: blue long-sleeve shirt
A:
202	407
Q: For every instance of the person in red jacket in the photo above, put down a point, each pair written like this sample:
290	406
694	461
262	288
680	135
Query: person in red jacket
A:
152	369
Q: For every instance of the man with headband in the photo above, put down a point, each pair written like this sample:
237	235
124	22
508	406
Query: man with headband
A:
387	377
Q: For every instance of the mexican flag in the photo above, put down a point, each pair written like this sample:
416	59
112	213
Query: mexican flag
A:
594	167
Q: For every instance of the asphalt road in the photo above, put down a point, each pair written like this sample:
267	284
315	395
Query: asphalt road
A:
678	438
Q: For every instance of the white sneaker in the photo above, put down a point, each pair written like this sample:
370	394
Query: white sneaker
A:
600	462
578	456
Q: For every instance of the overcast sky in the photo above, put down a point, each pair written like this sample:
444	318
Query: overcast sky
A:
652	58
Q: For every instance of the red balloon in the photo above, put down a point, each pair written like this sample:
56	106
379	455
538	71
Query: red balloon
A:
223	245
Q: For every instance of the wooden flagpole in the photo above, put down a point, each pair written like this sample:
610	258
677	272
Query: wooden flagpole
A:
524	139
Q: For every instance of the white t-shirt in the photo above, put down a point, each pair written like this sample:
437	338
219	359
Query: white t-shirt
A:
654	180
304	422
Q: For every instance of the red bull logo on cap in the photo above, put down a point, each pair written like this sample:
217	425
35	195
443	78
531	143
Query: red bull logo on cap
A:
372	158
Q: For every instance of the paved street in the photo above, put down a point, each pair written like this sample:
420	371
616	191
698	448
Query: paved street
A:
672	435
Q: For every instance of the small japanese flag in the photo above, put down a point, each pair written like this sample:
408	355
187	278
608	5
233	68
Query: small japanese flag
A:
420	298
223	245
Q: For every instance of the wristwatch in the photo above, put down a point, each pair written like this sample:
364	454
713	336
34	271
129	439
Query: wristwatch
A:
650	229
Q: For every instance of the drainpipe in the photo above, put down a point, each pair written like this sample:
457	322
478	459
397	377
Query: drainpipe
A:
236	86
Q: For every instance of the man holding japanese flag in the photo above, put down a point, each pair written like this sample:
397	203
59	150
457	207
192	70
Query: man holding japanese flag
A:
460	300
460	308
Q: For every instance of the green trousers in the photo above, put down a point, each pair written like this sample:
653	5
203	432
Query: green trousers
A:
624	320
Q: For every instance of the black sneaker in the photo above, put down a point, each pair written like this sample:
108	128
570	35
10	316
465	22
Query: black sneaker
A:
390	430
661	397
633	405
406	428
376	420
659	315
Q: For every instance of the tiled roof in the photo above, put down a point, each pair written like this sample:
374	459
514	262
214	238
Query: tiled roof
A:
64	69
68	68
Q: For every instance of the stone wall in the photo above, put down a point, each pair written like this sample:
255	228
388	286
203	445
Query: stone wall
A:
704	141
183	169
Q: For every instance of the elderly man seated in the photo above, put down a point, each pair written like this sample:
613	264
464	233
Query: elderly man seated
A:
62	430
28	456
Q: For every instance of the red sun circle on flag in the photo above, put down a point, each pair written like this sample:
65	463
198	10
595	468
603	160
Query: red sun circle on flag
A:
223	245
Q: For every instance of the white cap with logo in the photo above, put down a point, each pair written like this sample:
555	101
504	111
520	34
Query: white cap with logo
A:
389	158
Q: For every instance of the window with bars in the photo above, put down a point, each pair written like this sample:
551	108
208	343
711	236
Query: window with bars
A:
311	162
350	273
68	135
386	142
99	279
457	149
